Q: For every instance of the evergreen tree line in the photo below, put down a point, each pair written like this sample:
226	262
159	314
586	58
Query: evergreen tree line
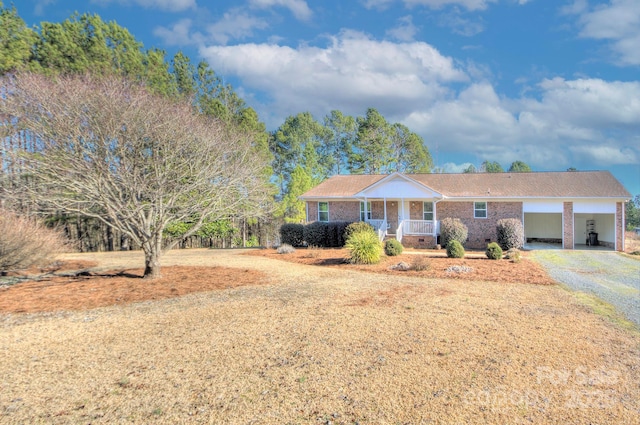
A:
86	44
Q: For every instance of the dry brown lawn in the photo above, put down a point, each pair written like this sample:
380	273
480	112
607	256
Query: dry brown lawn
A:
309	344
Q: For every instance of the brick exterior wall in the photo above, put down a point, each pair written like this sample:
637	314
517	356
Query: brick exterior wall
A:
350	211
620	226
480	229
416	210
344	211
312	212
567	231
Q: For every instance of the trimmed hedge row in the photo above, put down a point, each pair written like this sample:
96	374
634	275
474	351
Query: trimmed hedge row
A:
320	234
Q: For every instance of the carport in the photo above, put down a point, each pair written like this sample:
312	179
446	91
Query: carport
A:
598	219
543	223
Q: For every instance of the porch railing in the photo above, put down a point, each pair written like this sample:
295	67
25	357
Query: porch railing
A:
415	227
380	227
418	227
377	224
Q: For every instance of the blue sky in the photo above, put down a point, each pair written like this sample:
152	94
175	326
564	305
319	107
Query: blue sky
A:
554	83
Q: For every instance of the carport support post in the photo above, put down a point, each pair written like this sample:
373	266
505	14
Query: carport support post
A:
619	223
567	224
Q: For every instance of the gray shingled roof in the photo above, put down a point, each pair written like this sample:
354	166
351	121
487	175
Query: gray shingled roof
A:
565	184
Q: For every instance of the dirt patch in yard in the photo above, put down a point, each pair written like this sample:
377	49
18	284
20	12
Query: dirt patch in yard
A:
86	290
474	267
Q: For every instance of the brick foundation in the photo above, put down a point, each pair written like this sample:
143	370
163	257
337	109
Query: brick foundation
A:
423	242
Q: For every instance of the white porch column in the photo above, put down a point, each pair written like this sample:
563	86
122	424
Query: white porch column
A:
384	205
366	214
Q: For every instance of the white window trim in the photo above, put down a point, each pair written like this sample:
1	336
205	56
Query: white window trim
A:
486	209
423	210
362	211
323	202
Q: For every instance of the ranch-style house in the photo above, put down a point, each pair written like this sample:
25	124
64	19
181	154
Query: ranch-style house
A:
573	209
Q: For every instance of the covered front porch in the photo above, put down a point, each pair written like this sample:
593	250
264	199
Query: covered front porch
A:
401	207
401	219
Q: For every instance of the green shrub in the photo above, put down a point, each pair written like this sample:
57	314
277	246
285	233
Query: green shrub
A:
455	249
364	247
325	235
510	233
315	234
285	249
452	229
292	234
335	234
357	226
493	252
393	247
513	254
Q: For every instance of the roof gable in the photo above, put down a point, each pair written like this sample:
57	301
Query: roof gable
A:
399	186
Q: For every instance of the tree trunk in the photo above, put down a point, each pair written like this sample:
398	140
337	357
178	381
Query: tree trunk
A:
152	251
151	264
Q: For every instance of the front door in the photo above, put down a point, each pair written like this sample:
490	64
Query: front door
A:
392	216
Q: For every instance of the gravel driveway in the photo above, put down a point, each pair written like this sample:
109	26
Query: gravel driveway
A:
608	275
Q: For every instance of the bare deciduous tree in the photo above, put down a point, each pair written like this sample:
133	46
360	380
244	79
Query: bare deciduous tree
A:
107	148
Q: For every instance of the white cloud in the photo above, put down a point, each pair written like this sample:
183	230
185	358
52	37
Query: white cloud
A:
586	120
299	8
168	5
589	102
235	24
38	10
452	167
555	124
178	35
405	31
377	4
606	155
618	22
352	73
460	25
438	4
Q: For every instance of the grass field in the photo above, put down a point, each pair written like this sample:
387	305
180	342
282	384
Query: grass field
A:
322	345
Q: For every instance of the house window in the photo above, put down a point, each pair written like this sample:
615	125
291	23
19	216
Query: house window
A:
323	211
480	210
427	211
364	217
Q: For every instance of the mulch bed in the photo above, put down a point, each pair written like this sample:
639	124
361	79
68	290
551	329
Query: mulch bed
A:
482	269
87	290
